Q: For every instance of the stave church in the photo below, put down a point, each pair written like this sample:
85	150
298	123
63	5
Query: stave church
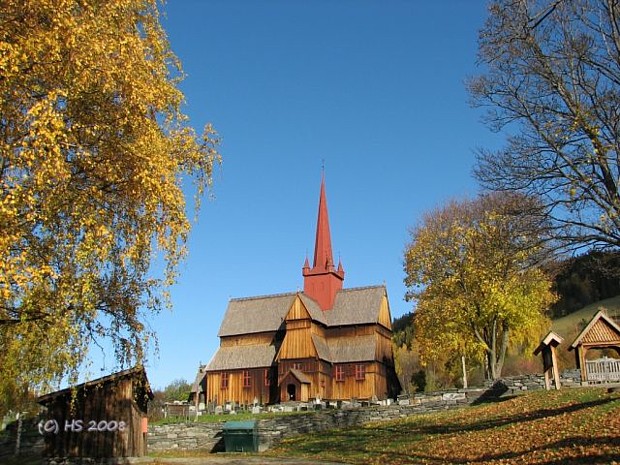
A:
327	342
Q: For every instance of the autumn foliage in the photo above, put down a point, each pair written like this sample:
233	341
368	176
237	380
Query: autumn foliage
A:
470	267
94	151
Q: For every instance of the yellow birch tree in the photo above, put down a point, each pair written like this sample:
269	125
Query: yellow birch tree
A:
470	269
94	149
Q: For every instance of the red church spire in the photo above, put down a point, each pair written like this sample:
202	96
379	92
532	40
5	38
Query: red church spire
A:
323	244
323	281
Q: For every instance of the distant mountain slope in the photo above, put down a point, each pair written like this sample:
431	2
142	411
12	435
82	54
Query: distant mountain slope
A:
570	325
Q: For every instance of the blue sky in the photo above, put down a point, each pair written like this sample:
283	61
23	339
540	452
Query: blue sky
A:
374	90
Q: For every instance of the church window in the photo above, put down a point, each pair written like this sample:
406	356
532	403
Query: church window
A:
339	373
267	377
224	381
360	372
247	380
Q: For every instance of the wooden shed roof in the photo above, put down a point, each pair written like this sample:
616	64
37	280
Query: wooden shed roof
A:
353	306
601	329
137	372
551	339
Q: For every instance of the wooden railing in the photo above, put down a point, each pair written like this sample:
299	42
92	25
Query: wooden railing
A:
603	370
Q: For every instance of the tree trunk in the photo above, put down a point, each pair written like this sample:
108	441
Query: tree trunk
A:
492	365
492	352
464	372
497	355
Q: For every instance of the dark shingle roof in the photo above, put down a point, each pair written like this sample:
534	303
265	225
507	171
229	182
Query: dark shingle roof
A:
322	348
346	349
301	377
354	306
242	357
255	314
352	349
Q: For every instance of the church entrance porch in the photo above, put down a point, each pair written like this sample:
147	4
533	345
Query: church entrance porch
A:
294	386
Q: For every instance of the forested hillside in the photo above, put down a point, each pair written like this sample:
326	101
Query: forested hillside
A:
586	279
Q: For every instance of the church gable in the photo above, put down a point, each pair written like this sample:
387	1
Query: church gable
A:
297	343
385	316
297	311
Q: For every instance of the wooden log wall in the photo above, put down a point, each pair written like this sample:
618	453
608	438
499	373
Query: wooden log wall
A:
101	421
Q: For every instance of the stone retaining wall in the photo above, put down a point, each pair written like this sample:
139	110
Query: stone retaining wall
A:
208	436
516	384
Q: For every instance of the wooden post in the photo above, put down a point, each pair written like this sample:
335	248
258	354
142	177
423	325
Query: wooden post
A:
464	371
556	372
547	366
581	350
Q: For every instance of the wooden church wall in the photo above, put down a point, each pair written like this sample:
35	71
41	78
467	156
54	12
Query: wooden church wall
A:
384	352
247	339
297	343
260	388
350	331
352	388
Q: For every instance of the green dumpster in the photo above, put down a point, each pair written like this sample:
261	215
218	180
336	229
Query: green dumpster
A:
240	436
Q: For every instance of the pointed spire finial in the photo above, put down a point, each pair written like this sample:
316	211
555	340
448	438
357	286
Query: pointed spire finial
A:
323	280
323	256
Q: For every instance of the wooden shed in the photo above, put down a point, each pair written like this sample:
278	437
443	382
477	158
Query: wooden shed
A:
106	417
602	332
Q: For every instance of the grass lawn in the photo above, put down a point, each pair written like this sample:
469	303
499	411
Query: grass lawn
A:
571	426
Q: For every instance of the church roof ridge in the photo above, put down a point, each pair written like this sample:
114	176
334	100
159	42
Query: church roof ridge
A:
361	288
292	293
265	296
